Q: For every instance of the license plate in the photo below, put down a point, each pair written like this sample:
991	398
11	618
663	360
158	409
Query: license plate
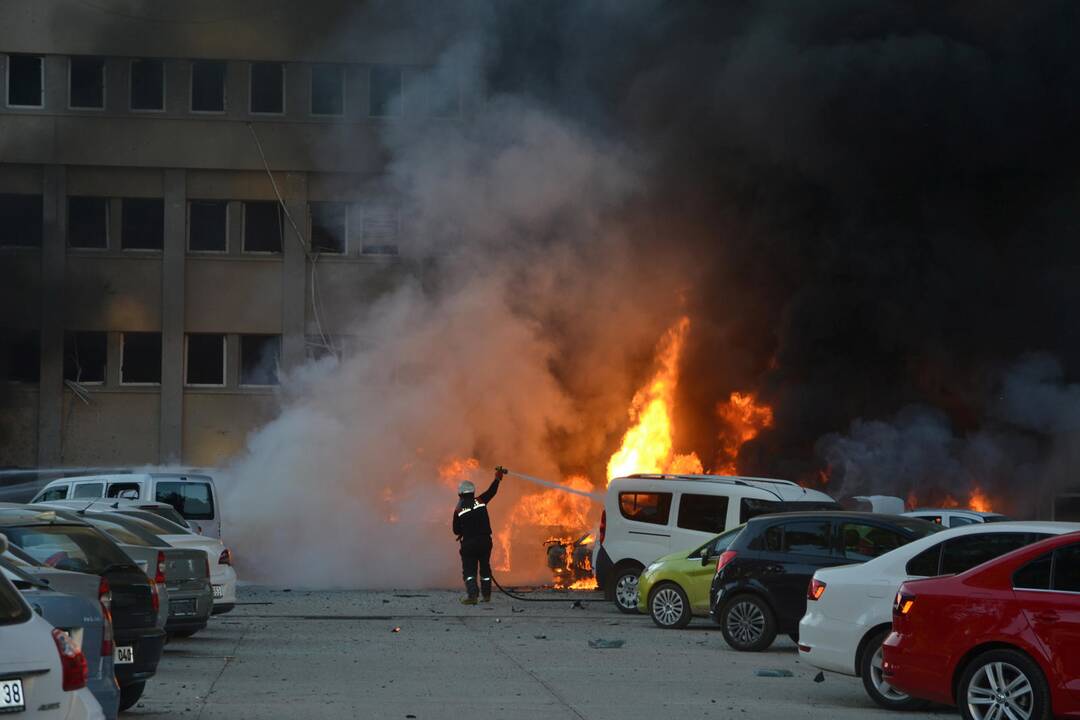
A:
11	696
178	608
124	655
219	592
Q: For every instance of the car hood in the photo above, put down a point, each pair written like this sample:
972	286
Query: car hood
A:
673	557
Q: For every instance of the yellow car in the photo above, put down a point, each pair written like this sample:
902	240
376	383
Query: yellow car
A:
675	588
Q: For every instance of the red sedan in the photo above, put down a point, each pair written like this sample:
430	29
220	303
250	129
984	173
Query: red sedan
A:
1001	640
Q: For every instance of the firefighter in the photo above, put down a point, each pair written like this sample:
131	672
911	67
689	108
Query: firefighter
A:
473	529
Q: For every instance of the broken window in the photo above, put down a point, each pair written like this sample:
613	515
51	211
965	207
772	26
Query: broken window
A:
147	85
268	88
328	227
205	359
84	356
20	355
142	224
207	86
327	90
88	222
379	227
262	227
26	80
259	358
208	222
385	91
20	220
86	87
140	362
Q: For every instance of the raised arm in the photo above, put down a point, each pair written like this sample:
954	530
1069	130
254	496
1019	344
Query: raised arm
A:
486	496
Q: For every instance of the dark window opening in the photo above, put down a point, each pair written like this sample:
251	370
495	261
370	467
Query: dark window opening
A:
864	542
927	563
262	227
141	361
707	513
259	358
328	227
84	356
25	80
645	507
205	359
88	222
208	225
1035	575
193	500
268	88
1067	569
385	96
20	355
208	86
147	85
807	538
964	553
116	488
87	88
751	508
142	224
20	220
327	90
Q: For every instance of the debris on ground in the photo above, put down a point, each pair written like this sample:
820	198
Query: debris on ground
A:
396	629
773	672
517	610
410	595
578	605
601	644
540	637
819	678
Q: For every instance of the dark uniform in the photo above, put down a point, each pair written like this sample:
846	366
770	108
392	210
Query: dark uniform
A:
473	529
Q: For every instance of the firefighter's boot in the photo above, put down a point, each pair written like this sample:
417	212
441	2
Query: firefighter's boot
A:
468	600
485	588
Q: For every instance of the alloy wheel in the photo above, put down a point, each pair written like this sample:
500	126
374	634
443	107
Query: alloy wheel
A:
746	622
877	676
667	606
1000	691
626	592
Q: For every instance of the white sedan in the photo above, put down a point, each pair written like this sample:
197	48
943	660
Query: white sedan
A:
849	608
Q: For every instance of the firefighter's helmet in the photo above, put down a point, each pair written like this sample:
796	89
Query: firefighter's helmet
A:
466	488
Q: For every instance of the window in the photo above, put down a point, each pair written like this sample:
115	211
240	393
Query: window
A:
960	521
328	227
142	225
86	83
117	489
56	493
963	553
259	358
864	542
262	227
1035	575
707	513
140	362
20	220
20	355
936	519
191	499
88	222
205	360
645	507
267	88
718	544
1067	569
88	490
208	86
926	563
751	508
84	357
208	223
68	547
327	90
147	85
26	81
378	225
807	538
385	91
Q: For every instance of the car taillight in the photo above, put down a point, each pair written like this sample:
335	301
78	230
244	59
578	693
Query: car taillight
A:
725	557
815	590
904	603
159	576
72	661
603	526
105	598
225	558
155	596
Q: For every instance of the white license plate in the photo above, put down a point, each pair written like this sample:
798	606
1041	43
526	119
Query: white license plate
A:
219	592
124	655
11	696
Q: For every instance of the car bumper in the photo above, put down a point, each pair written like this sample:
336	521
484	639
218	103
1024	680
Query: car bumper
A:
84	706
827	643
180	618
106	693
147	646
915	673
602	568
224	577
645	585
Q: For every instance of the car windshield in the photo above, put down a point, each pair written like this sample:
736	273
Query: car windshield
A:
68	547
12	608
168	512
123	532
154	523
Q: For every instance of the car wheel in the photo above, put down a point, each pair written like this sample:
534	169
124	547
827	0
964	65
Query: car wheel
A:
873	679
1003	684
130	694
748	623
669	606
626	595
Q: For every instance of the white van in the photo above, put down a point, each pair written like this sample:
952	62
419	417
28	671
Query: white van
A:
192	494
649	516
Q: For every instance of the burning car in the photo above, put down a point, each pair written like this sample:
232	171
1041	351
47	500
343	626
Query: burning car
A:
570	561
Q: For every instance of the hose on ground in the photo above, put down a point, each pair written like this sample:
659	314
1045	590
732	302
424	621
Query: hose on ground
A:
509	594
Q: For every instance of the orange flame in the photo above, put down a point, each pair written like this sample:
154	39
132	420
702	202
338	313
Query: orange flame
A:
977	500
455	470
744	419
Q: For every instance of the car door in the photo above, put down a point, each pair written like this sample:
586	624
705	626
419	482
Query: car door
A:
806	546
1049	590
700	567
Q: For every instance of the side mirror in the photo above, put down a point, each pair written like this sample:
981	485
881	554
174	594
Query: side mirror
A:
707	560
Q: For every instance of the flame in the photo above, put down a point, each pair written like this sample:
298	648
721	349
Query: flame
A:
584	584
744	419
454	470
977	500
647	445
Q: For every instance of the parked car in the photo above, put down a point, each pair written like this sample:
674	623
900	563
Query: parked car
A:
955	517
135	603
193	495
646	517
42	669
999	640
849	613
675	588
759	589
120	504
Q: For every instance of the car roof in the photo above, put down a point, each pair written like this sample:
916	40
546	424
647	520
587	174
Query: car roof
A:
782	489
112	477
965	511
109	503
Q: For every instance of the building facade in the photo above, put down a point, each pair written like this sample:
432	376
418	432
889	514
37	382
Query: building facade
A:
174	177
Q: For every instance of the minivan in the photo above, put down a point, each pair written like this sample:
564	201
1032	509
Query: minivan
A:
192	494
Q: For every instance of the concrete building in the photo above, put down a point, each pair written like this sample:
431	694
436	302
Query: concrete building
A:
151	284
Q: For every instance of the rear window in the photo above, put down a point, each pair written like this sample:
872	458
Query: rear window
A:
654	508
707	513
68	547
154	523
963	553
194	501
168	512
1035	575
124	533
863	541
12	608
1067	569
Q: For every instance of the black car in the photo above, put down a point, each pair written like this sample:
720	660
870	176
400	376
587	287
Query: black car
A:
132	598
761	581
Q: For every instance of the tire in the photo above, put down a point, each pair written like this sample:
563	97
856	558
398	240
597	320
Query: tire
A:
130	694
1028	700
748	623
624	585
880	691
669	607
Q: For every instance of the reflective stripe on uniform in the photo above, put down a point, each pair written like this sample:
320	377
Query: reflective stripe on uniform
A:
476	506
